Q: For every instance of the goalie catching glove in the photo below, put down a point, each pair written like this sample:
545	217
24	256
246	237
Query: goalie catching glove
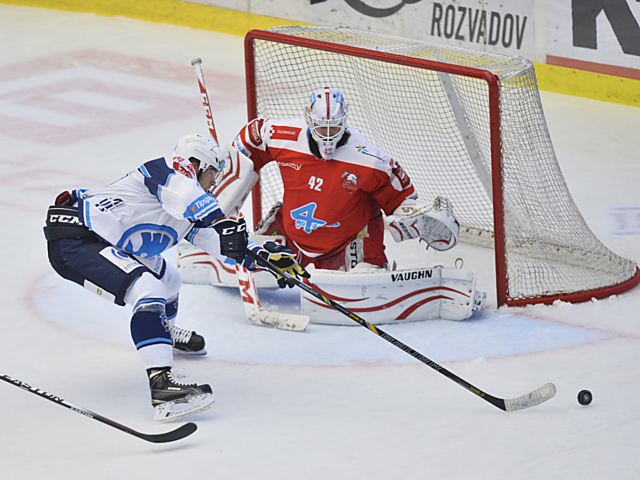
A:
285	260
436	226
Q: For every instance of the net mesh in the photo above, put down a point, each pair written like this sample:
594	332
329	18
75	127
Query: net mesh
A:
437	126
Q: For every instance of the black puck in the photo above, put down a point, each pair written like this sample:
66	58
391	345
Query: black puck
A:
584	397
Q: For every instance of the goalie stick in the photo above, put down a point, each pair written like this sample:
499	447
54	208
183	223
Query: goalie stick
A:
197	63
177	434
255	312
531	399
261	316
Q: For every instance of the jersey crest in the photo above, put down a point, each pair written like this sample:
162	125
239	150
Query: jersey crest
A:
303	216
148	240
304	219
350	181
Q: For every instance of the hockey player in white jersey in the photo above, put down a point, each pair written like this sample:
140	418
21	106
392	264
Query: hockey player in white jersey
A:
110	242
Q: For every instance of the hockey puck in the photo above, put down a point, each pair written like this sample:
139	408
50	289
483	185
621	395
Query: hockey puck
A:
584	397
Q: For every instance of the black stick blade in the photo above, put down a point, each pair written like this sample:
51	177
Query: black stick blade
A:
177	434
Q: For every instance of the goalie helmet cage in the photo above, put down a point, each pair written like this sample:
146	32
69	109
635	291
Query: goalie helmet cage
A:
465	124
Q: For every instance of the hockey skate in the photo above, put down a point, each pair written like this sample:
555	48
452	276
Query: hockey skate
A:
187	342
174	399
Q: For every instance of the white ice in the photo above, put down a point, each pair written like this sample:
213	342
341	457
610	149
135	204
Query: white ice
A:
84	99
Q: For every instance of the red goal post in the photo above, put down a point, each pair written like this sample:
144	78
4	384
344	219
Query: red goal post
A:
481	141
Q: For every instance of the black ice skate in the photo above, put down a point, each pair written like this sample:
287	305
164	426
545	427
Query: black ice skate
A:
187	342
174	399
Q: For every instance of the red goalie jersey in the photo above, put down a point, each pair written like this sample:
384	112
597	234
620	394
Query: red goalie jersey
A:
327	203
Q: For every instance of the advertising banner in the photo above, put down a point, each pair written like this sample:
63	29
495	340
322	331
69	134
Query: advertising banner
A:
499	26
595	35
601	36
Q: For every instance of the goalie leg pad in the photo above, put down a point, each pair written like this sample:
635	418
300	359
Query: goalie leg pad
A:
197	266
394	296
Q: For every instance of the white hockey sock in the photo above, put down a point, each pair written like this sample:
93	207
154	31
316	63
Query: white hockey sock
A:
157	356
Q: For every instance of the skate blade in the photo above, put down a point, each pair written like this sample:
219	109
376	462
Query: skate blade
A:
190	354
170	411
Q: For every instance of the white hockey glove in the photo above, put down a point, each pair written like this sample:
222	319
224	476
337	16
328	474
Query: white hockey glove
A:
285	260
436	226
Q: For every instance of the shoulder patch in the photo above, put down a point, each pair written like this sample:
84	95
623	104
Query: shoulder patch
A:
399	173
254	131
362	149
284	132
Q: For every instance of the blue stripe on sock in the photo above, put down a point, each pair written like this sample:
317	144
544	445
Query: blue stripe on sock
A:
153	341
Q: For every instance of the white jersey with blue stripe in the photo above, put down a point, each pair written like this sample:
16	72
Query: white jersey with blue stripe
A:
150	210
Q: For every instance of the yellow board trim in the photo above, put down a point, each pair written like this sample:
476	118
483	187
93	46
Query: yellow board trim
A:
580	83
567	81
172	12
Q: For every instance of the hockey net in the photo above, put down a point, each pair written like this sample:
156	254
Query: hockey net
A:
464	124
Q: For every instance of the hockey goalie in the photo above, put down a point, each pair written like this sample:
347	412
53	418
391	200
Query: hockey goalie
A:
337	185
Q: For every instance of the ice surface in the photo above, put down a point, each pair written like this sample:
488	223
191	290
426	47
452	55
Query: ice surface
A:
83	99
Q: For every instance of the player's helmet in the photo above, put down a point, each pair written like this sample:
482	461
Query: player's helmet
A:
326	117
203	149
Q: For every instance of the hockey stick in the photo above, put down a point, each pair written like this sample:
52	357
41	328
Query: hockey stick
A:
258	314
197	63
177	434
255	312
531	399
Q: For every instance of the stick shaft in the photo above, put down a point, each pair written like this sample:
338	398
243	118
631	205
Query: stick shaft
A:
197	63
497	402
176	434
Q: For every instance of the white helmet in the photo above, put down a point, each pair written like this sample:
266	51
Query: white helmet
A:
326	117
201	148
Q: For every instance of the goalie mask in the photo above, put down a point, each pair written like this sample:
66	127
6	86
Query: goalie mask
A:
204	150
326	117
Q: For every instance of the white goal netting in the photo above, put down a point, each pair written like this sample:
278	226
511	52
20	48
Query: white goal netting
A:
437	125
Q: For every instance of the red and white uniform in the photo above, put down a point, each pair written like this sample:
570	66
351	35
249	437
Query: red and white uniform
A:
327	202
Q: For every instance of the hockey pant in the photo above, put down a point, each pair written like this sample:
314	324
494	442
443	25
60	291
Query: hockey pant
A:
152	290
